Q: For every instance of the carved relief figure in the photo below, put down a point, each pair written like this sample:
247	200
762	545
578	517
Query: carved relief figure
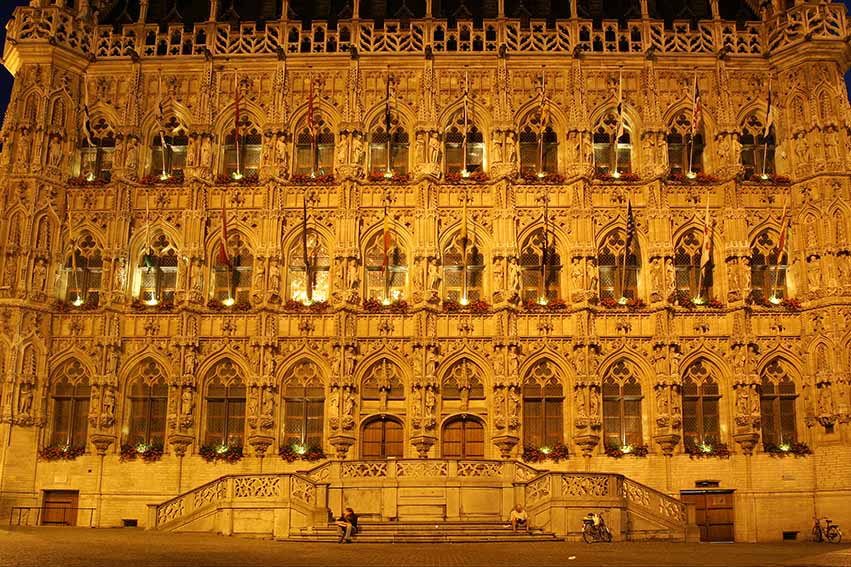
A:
186	402
25	399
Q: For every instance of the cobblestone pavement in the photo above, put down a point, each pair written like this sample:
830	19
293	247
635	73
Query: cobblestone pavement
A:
84	547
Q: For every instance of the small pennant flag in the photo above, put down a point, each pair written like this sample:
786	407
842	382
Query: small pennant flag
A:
630	228
223	258
311	118
620	127
706	248
769	114
696	109
388	117
781	243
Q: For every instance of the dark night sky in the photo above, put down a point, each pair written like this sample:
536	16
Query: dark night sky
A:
7	6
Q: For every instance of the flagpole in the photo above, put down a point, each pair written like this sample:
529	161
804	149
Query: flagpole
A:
768	121
704	246
236	125
693	127
620	120
388	125
464	171
542	125
626	248
386	264
545	252
78	300
307	270
464	245
314	146
160	124
781	246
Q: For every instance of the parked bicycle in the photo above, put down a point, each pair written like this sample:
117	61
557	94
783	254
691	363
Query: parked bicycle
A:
594	529
830	532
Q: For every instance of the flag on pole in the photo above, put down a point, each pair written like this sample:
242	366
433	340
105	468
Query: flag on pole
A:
630	229
466	96
73	248
223	258
781	243
769	114
87	119
388	117
159	120
311	119
696	108
706	248
544	106
545	247
236	134
620	125
308	279
386	260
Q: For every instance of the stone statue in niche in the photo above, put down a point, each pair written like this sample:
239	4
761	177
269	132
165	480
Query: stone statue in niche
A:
434	275
433	149
499	408
593	405
581	401
186	402
419	149
348	408
55	151
39	276
25	399
206	151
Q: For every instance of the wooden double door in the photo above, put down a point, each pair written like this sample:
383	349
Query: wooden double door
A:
60	508
463	438
714	513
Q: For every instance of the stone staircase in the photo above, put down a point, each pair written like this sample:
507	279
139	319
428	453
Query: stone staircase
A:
424	532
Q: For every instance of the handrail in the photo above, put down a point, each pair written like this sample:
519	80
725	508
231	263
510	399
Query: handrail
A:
64	509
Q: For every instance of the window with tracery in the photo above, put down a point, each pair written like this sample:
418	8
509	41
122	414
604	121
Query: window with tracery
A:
233	281
692	281
459	152
768	267
312	275
96	157
757	149
83	271
386	276
70	397
701	423
685	148
383	381
543	400
225	401
618	270
389	152
463	382
157	270
622	406
777	395
315	153
304	405
148	400
382	437
605	145
463	267
168	151
541	267
242	149
538	149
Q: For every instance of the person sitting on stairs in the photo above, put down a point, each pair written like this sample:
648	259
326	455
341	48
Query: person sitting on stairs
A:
348	524
519	518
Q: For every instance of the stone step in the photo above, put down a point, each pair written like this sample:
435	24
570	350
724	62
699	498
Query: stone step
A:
425	532
429	538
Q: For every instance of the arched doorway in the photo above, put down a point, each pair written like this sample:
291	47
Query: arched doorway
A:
463	438
382	437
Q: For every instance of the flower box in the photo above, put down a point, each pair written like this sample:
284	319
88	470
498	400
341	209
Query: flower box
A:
148	453
475	177
395	178
705	450
298	451
251	179
549	178
176	178
60	453
302	179
784	449
628	177
226	453
618	452
556	453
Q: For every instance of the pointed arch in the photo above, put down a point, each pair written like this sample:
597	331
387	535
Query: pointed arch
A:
241	147
610	151
768	265
231	277
397	141
70	397
464	380
622	399
386	258
309	279
539	142
701	393
383	380
315	149
618	268
685	145
460	155
82	276
463	261
225	397
778	393
541	263
303	403
147	402
96	158
543	393
694	282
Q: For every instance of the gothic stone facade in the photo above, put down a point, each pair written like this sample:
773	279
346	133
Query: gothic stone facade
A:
427	313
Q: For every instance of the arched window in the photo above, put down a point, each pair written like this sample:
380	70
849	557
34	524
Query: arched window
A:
232	281
381	438
768	267
701	424
543	398
777	404
622	406
605	146
96	157
315	153
314	275
242	149
383	381
689	274
168	150
618	271
460	154
386	276
463	438
463	266
304	404
463	382
538	150
396	161
541	269
757	149
83	271
225	406
71	395
148	397
685	147
157	271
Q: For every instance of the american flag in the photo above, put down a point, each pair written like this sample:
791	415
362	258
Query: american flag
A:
696	109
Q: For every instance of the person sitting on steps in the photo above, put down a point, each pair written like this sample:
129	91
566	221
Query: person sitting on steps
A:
348	524
519	518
